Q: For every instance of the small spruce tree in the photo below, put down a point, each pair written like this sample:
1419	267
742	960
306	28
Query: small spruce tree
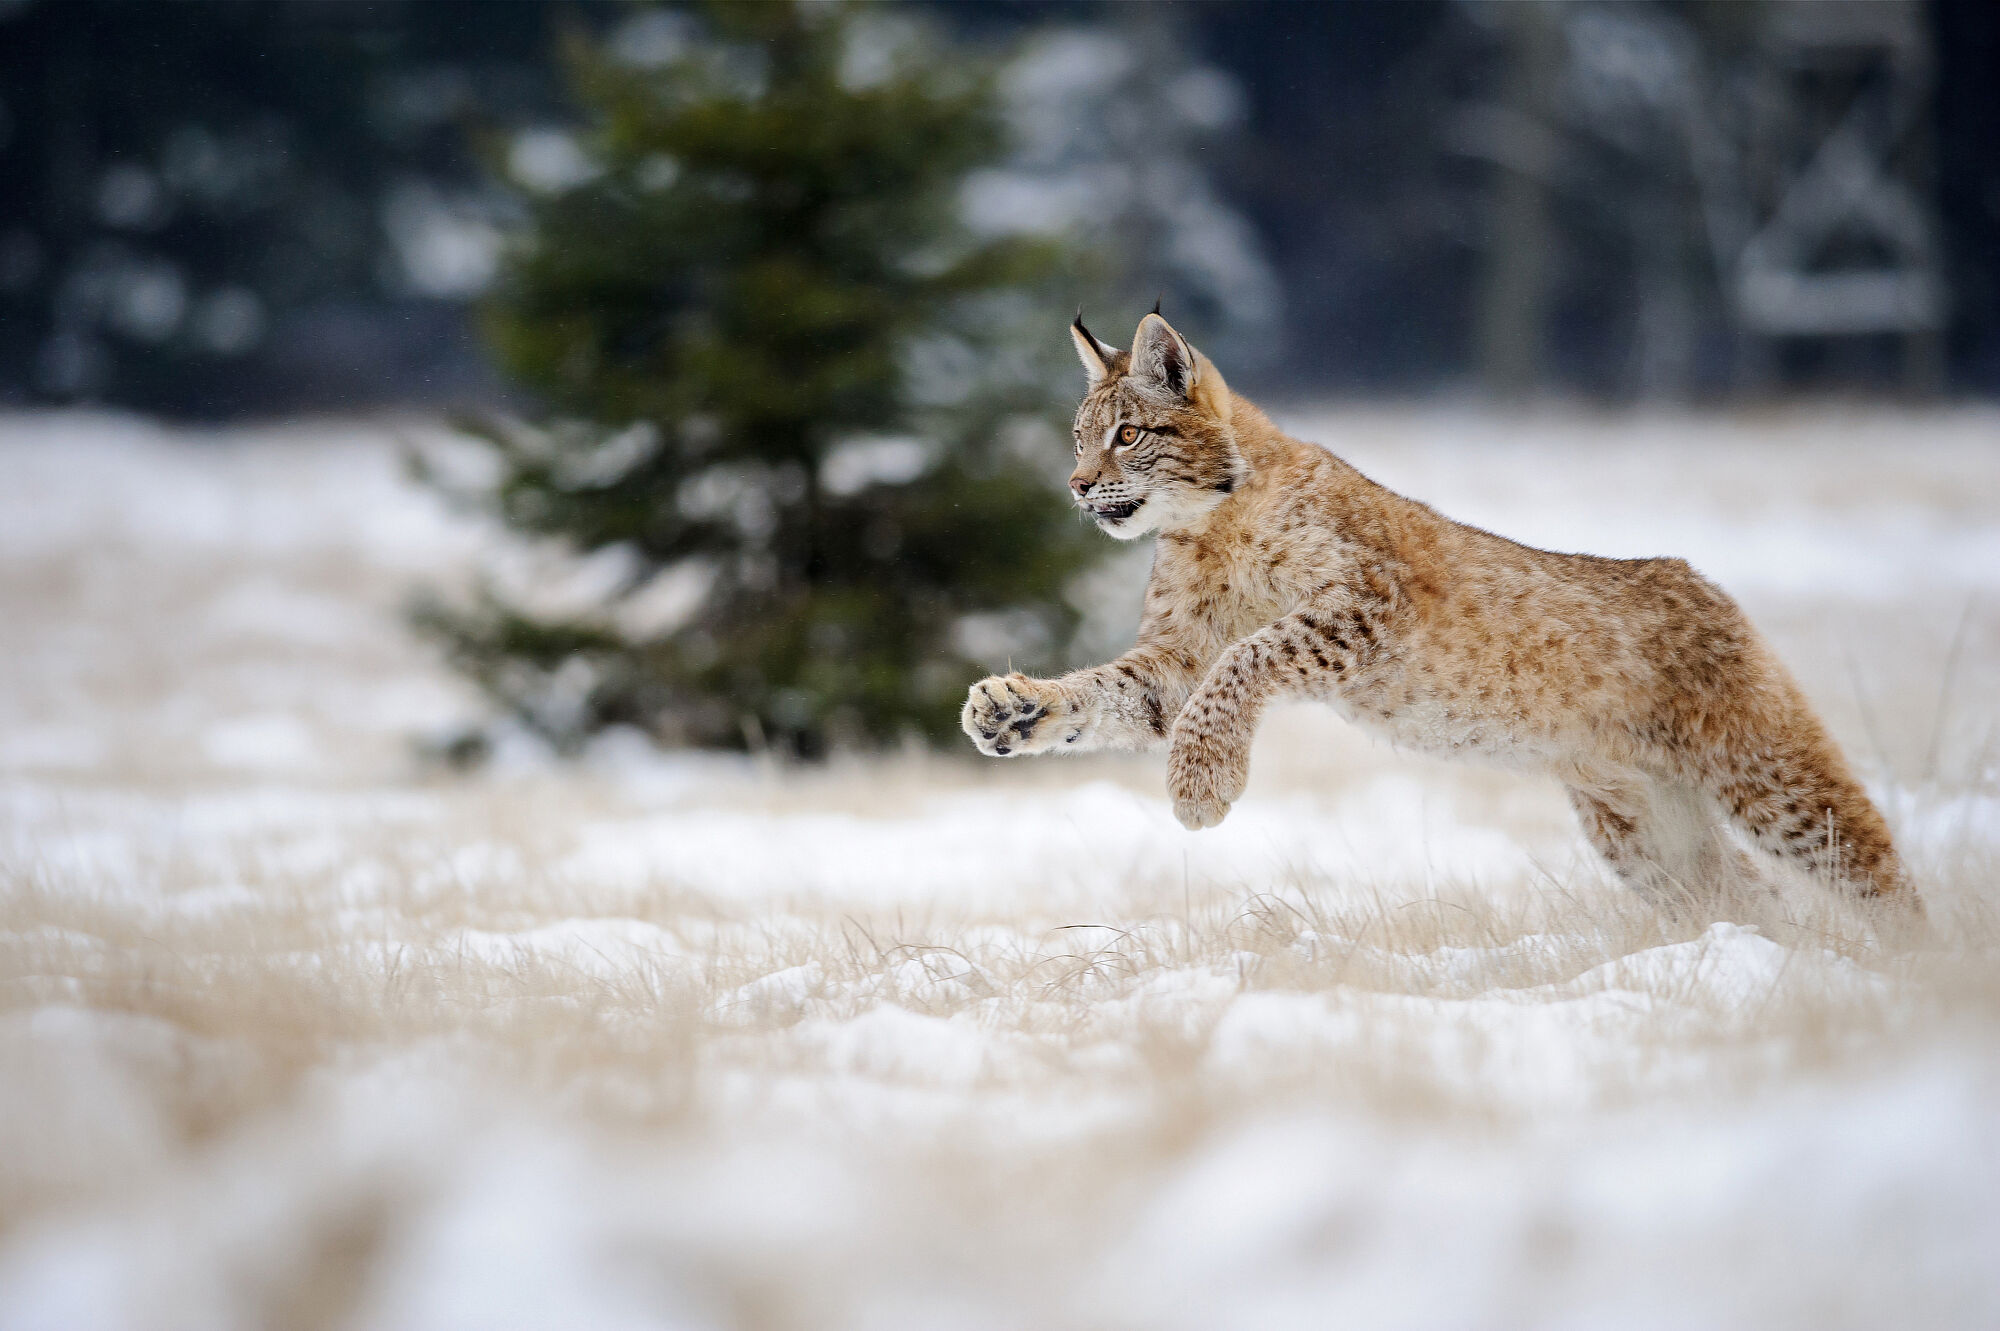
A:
807	421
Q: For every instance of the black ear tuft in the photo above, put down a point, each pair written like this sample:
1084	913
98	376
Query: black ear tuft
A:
1156	302
1096	357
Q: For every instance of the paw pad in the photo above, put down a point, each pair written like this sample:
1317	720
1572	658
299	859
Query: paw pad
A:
1007	715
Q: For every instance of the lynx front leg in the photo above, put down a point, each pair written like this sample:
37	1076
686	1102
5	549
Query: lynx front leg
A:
1011	715
1208	757
1126	704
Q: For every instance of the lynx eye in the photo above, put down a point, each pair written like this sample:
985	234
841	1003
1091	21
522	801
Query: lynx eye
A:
1129	435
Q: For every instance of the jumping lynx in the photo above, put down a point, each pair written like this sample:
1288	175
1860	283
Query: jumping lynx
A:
1282	571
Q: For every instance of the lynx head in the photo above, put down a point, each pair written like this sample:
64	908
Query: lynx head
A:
1154	447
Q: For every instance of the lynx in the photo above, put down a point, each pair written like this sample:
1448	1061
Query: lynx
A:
1281	571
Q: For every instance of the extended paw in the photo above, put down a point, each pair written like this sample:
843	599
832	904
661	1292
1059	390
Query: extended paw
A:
1011	715
1205	778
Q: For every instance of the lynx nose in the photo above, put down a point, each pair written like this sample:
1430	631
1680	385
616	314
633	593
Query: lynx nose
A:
1080	486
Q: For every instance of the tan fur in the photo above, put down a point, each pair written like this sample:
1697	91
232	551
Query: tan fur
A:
1280	571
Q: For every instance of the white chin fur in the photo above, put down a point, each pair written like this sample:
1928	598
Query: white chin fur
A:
1170	510
1162	510
1131	528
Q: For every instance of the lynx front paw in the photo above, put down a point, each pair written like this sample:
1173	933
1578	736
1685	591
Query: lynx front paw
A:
1204	779
1008	716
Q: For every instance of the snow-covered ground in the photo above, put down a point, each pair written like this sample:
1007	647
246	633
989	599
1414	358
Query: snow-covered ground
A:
296	1031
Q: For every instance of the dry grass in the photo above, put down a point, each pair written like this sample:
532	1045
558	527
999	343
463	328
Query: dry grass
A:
293	1032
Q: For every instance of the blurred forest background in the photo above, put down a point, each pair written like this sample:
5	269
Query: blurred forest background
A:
266	206
759	305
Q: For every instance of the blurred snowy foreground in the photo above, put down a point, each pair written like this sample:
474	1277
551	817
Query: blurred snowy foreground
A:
299	1032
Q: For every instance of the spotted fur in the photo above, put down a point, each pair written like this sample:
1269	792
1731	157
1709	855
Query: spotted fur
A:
1281	571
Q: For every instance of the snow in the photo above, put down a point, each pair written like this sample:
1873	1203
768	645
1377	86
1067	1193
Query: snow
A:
297	1031
603	947
1084	836
1630	1222
1561	1046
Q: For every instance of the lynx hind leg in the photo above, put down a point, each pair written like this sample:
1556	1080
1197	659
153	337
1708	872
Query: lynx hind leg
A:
1801	804
1663	840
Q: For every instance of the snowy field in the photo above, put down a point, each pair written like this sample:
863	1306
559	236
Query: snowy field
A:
300	1032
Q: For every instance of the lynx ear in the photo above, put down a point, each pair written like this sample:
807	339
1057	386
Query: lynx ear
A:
1097	358
1163	356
